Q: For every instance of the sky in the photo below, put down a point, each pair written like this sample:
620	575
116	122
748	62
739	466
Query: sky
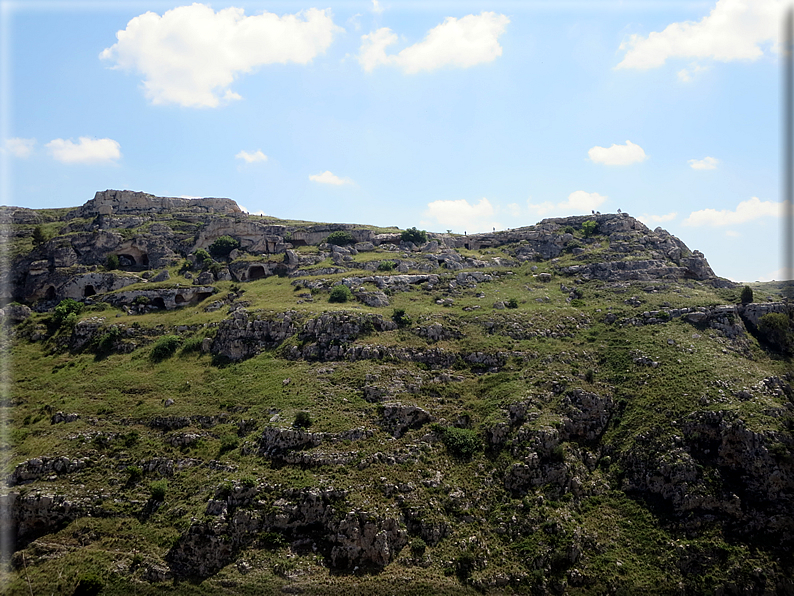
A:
461	116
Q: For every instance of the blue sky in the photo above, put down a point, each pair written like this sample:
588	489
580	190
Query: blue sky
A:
464	116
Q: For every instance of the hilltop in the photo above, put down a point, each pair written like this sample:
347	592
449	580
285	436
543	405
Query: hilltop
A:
206	401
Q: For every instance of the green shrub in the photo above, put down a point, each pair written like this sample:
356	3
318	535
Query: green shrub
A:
165	347
141	300
386	266
414	235
135	473
569	230
88	584
39	236
202	256
248	482
418	547
105	344
302	420
192	345
157	490
340	293
747	295
589	228
461	442
512	303
112	262
340	238
222	246
228	443
557	454
776	328
577	303
64	309
399	317
271	540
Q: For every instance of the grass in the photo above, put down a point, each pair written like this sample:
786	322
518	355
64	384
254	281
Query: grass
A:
626	545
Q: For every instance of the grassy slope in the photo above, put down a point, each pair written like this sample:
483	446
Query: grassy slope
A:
627	546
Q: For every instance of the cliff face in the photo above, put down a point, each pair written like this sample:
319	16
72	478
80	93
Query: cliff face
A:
560	408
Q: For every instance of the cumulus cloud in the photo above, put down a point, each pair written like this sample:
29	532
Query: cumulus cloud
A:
707	163
328	178
578	202
686	74
462	216
745	211
733	30
85	151
649	220
464	42
19	147
376	7
190	55
617	155
251	157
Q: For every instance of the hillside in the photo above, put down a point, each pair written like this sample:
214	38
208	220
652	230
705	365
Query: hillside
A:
576	407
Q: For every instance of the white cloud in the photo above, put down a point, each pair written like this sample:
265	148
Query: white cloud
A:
249	212
329	178
707	163
685	74
617	155
733	30
191	55
578	202
732	233
251	157
745	211
461	216
376	7
649	220
19	147
86	150
463	42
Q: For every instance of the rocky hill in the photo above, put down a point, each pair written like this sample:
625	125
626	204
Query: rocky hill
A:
202	400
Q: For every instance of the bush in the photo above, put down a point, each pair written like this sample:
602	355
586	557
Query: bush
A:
399	317
157	490
340	293
165	347
776	328
141	300
39	236
340	238
418	547
64	309
414	235
135	473
512	303
747	295
202	256
589	228
192	345
302	420
569	230
88	584
105	344
112	262
222	246
228	443
461	442
386	266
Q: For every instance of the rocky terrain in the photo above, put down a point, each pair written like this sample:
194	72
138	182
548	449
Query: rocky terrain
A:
202	400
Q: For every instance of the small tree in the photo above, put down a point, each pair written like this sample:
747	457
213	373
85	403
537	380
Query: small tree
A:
64	309
589	228
340	238
414	235
340	293
399	317
302	420
776	328
39	236
222	246
747	295
203	258
112	262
